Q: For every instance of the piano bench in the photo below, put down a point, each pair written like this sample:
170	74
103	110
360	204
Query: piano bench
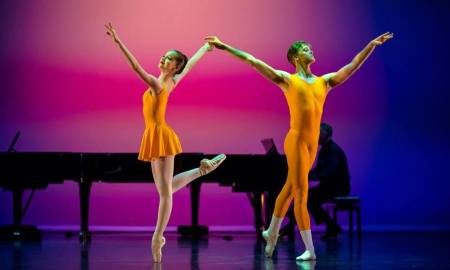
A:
350	204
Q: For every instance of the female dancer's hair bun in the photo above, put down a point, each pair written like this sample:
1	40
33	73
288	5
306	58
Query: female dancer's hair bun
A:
181	61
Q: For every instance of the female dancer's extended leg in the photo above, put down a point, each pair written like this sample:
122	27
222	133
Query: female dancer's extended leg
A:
206	166
166	184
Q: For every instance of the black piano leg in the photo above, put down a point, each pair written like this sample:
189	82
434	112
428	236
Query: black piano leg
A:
255	199
194	229
195	202
17	231
85	190
17	206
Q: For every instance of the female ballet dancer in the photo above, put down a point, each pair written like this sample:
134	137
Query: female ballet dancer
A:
305	94
159	143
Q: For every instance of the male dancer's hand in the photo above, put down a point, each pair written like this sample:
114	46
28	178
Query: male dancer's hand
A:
382	39
215	41
111	32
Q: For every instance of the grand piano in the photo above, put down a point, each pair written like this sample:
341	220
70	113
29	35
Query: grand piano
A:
36	170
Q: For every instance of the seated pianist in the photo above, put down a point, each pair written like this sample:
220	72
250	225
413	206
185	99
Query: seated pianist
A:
332	173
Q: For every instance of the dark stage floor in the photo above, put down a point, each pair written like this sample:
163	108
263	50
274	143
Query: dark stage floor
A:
411	250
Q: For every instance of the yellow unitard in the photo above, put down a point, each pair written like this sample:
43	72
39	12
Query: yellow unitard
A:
305	101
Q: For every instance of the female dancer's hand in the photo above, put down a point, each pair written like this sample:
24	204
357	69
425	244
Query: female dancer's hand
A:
111	32
215	41
382	39
209	47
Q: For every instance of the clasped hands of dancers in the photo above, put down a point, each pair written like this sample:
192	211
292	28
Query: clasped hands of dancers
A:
305	94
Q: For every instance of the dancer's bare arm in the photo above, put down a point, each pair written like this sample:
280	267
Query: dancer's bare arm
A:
192	61
336	78
149	79
279	77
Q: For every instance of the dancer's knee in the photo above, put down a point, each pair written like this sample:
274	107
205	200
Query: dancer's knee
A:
301	196
165	196
165	192
282	205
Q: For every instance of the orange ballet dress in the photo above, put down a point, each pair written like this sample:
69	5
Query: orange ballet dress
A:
158	140
305	101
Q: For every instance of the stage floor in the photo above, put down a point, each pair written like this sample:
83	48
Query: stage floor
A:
126	251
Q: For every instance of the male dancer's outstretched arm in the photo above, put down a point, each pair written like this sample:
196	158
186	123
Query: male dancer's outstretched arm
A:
336	78
279	77
149	79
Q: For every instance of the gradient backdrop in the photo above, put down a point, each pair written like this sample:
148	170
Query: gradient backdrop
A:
67	87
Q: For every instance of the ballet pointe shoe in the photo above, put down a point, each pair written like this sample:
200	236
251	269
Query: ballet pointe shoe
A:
271	243
157	245
209	165
306	256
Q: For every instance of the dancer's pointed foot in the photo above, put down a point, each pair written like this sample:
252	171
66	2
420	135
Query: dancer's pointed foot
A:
157	245
306	256
209	165
271	242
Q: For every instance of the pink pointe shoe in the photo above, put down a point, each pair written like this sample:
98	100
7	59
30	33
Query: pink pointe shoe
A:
209	165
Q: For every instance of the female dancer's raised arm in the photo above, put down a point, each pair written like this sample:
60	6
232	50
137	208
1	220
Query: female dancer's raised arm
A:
191	63
149	79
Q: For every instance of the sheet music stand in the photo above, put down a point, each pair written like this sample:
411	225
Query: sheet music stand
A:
269	146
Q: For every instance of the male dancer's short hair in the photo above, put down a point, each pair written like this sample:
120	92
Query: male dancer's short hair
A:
293	50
